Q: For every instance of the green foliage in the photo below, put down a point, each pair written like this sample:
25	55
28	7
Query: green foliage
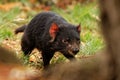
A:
25	59
91	43
7	24
5	33
59	59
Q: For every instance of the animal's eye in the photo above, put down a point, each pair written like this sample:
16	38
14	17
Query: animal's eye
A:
66	40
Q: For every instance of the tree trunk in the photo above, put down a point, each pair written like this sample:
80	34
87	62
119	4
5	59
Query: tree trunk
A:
110	16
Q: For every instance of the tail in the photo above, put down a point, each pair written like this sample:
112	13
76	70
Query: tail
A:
21	29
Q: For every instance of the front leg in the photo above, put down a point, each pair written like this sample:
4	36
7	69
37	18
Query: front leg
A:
47	55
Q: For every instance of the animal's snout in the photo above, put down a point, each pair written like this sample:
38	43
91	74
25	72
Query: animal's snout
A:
75	50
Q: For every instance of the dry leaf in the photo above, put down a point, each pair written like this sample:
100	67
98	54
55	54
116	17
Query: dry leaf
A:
9	6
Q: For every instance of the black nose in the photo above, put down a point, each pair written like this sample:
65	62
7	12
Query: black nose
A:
75	50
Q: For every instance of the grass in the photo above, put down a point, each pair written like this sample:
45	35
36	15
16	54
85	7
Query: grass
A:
87	15
7	24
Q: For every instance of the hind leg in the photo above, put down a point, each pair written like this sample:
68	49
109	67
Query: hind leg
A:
26	46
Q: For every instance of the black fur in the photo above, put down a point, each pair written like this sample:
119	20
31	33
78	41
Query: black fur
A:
21	29
37	34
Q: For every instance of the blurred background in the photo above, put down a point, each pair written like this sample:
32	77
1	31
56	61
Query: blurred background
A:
15	13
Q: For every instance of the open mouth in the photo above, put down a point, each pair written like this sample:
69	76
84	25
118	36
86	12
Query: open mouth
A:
70	52
73	52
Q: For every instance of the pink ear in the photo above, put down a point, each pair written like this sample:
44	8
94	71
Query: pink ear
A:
53	30
79	28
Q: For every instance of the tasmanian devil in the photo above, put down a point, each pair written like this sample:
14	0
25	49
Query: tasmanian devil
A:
49	32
